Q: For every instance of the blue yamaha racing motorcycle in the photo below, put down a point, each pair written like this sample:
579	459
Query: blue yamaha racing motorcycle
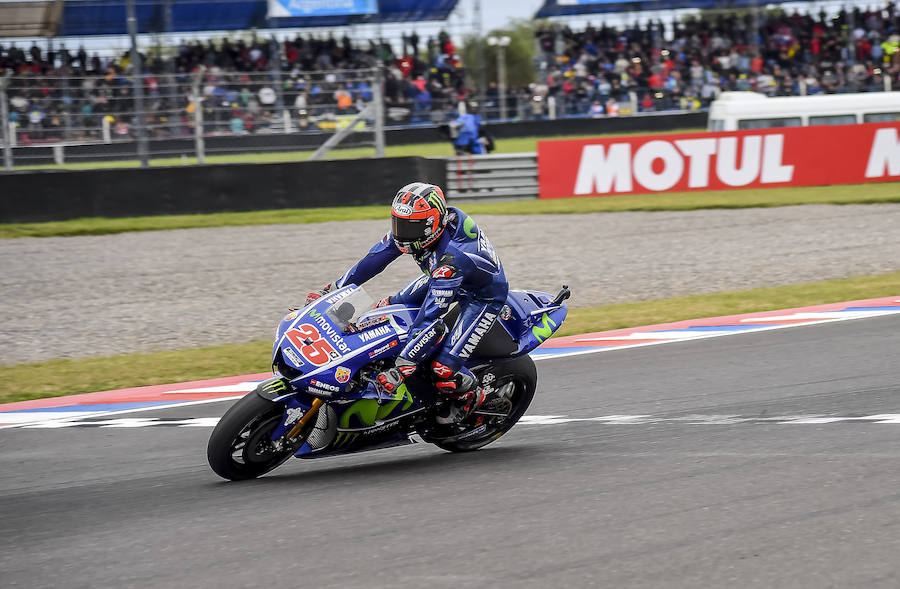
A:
323	399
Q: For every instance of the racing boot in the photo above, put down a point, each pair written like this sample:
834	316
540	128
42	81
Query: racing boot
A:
461	390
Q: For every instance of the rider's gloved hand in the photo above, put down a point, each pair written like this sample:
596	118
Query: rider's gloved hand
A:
317	294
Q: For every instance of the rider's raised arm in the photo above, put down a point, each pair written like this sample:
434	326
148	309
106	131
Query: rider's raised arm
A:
382	253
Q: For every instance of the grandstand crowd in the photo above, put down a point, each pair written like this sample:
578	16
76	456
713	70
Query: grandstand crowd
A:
594	70
600	71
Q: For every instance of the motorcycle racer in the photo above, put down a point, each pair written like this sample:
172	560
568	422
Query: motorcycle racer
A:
459	265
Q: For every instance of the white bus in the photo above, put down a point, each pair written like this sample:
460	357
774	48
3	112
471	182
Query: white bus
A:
734	111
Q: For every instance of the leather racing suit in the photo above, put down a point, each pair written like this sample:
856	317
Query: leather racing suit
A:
461	266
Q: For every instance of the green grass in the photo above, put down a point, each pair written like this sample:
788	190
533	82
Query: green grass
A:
717	199
62	377
435	149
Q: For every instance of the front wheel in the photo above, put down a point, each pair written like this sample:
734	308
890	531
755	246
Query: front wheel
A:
240	446
512	385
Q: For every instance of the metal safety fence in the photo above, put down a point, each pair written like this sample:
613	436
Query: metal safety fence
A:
62	111
511	176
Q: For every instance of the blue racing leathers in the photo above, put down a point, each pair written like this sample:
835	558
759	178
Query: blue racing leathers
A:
462	266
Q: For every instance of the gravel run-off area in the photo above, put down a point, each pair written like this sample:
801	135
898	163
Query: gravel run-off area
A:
95	296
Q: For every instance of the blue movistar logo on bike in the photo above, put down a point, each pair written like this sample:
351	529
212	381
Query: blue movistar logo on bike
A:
330	332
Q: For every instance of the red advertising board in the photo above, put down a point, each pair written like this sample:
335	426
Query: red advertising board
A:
796	156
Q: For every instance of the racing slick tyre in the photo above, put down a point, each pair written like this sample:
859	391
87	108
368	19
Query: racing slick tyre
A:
513	384
240	446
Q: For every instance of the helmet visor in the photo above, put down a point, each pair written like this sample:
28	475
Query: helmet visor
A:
408	230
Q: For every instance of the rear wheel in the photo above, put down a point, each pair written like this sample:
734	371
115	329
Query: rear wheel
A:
513	384
240	446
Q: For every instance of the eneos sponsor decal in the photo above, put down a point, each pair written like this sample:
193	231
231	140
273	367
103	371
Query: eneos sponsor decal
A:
323	385
796	156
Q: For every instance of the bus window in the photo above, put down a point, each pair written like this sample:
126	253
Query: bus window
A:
717	125
833	120
882	117
769	123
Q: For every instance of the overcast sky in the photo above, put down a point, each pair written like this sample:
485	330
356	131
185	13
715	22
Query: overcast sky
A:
497	13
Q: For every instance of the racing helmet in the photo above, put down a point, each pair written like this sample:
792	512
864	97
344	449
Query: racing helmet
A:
418	217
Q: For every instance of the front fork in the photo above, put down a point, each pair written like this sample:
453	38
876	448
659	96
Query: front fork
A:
278	390
310	414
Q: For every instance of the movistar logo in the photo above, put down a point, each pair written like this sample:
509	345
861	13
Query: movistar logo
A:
330	332
545	331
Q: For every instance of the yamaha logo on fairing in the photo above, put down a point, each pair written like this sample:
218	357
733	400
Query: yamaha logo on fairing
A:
335	298
477	334
367	336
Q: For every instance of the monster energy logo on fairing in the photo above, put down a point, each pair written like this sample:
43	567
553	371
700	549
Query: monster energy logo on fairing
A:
273	385
368	411
542	333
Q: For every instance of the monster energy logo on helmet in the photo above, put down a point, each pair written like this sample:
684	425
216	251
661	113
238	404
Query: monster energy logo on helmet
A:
435	199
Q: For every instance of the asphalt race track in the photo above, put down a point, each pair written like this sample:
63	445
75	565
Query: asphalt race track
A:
729	483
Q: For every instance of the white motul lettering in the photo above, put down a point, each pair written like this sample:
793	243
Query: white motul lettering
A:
600	170
673	165
698	152
726	161
773	169
884	159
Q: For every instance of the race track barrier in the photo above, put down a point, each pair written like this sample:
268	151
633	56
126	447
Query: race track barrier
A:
59	195
492	177
795	156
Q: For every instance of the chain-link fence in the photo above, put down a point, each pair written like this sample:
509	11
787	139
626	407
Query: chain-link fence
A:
69	111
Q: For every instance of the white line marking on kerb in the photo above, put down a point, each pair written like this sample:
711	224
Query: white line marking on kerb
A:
527	420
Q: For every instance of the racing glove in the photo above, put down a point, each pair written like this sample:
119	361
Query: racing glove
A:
317	294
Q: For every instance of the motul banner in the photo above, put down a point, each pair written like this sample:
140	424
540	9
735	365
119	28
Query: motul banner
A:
796	156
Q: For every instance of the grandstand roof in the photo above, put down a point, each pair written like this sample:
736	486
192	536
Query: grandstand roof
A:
107	17
29	18
553	8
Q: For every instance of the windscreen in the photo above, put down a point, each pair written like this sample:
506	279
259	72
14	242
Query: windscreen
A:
347	310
